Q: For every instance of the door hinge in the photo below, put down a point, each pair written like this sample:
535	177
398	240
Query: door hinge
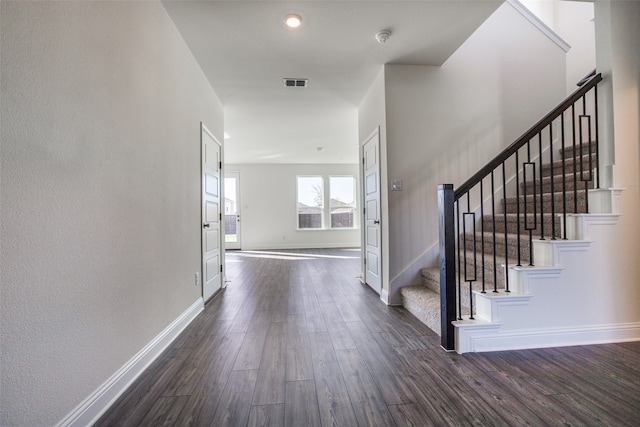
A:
220	163
220	268
220	216
363	160
364	211
365	261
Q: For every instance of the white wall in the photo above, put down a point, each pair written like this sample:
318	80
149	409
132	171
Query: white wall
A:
269	207
573	21
444	123
100	188
618	57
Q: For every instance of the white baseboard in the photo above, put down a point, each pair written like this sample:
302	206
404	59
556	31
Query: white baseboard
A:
285	246
384	296
100	400
483	340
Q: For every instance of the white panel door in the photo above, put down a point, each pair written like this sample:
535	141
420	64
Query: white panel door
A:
211	214
371	189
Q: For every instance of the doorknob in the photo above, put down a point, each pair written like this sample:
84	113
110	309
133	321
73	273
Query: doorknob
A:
205	225
376	221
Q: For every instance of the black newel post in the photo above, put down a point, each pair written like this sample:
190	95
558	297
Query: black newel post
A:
447	265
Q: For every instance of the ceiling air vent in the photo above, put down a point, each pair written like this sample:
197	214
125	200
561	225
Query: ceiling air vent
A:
296	82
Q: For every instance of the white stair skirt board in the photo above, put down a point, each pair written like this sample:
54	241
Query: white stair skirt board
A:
558	273
100	400
487	337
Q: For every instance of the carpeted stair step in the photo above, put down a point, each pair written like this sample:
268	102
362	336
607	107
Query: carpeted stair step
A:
570	165
580	150
474	243
424	304
512	224
570	182
431	276
510	204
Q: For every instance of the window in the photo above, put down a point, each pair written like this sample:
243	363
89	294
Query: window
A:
342	191
312	209
310	202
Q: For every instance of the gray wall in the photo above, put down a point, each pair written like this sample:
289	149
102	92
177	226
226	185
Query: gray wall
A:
268	207
444	123
100	216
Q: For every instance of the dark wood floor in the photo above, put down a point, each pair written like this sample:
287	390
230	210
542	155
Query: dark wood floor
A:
297	340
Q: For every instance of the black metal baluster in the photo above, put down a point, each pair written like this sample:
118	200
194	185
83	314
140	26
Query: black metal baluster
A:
586	117
527	226
506	255
575	154
467	278
493	218
564	178
597	136
541	186
553	189
482	230
517	210
459	287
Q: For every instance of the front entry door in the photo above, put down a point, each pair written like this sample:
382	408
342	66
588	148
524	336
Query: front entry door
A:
372	235
211	214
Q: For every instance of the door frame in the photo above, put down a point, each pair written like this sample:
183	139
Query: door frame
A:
203	130
375	133
238	244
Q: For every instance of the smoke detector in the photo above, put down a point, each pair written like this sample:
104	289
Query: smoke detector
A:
383	36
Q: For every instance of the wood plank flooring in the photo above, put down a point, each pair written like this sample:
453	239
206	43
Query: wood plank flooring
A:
296	340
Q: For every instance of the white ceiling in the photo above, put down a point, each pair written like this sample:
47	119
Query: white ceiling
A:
245	51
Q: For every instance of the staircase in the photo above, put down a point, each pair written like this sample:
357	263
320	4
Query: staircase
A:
502	233
423	301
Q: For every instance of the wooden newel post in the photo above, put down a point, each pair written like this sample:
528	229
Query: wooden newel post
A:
447	265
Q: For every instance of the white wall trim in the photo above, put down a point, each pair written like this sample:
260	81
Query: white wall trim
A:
101	399
384	297
537	22
487	339
300	246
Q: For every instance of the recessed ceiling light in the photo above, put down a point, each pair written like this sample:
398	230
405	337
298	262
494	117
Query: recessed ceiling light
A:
293	20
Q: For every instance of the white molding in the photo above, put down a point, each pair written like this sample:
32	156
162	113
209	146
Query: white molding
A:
466	331
488	305
384	297
546	253
537	22
604	200
579	225
481	338
302	245
97	403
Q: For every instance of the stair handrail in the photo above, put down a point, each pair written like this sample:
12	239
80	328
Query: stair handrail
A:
535	129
